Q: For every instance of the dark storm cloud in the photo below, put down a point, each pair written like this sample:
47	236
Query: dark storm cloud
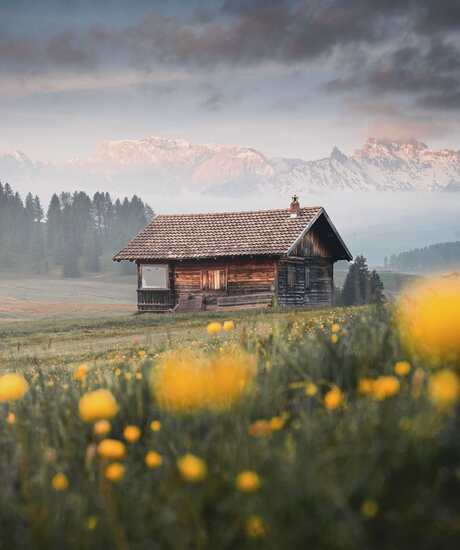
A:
402	45
430	75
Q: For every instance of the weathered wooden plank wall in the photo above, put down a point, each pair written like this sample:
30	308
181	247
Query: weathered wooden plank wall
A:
320	291
243	275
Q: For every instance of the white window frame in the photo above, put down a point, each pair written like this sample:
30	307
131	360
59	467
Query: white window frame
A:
165	267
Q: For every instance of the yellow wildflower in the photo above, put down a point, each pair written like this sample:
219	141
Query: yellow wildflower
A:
186	380
11	418
155	425
13	386
333	398
248	481
444	388
334	338
80	372
114	472
91	523
97	405
153	459
60	482
369	508
256	527
214	328
111	449
102	427
131	434
229	326
385	386
311	389
335	327
277	423
402	368
429	318
260	428
117	372
192	468
365	386
142	354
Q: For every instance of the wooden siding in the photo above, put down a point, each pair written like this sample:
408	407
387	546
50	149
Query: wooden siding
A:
243	276
320	291
254	276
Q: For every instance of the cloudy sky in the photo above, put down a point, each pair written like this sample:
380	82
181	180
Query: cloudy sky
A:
290	77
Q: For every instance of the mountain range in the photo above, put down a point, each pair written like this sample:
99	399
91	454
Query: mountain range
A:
168	165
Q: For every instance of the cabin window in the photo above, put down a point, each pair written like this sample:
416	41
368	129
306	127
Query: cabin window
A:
307	278
214	279
154	276
291	276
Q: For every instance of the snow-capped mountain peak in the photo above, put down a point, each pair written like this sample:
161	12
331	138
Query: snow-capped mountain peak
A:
173	163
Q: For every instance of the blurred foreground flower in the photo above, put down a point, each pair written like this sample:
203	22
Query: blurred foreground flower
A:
155	425
102	427
60	482
429	319
256	527
402	368
214	328
114	472
111	449
153	460
80	372
13	386
260	428
369	509
248	481
97	405
192	468
385	386
444	388
131	434
185	380
229	326
333	398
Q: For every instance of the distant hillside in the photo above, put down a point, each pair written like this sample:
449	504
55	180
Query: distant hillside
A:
437	257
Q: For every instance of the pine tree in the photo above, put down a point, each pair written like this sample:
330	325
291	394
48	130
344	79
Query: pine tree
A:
376	289
361	287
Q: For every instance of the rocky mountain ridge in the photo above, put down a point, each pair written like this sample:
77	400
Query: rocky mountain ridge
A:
164	163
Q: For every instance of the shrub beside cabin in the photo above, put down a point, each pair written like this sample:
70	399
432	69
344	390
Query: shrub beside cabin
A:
214	261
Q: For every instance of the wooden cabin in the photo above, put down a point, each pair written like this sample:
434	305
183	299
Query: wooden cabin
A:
195	262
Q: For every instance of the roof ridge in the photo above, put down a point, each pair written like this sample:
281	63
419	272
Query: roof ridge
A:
190	214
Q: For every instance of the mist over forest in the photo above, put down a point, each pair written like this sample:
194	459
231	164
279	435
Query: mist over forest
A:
80	231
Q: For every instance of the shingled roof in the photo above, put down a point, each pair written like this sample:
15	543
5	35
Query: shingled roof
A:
193	236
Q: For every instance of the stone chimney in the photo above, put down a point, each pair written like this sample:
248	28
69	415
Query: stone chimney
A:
294	207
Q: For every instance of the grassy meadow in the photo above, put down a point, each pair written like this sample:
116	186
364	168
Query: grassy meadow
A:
50	297
334	429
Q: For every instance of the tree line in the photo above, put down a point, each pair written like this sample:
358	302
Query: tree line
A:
77	234
361	286
430	258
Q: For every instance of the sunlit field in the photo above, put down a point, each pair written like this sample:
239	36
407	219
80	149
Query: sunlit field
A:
334	429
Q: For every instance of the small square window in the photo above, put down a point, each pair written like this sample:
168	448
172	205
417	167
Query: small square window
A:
155	276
